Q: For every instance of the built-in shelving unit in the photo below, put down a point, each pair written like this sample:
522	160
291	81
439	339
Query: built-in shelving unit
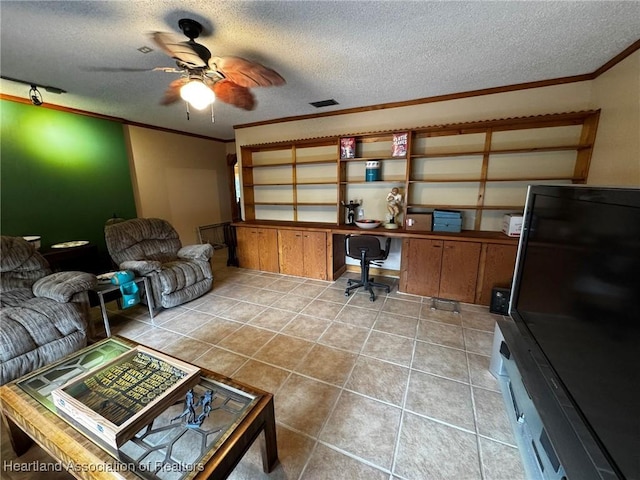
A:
481	168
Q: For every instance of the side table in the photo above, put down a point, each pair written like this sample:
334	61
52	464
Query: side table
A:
102	289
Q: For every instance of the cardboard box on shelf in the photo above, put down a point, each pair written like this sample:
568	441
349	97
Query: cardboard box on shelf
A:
512	224
419	221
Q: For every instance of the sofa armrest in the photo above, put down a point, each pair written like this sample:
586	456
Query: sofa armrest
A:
141	267
63	286
196	252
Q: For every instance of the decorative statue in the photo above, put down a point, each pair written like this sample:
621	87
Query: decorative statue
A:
351	208
190	409
394	204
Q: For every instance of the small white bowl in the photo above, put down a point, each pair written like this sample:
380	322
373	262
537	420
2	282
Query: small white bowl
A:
368	224
33	240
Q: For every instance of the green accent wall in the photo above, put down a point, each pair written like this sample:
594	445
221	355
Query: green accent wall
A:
62	175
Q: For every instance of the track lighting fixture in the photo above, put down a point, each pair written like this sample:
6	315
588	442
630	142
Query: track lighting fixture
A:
35	96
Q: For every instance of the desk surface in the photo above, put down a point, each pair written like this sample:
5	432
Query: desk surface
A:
464	236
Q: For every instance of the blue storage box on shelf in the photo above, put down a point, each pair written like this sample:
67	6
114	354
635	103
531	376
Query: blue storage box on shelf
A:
447	221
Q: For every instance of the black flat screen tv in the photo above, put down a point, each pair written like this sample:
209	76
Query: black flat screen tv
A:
576	293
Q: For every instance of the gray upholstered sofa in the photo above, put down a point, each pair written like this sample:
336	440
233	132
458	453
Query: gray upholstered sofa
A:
151	247
43	316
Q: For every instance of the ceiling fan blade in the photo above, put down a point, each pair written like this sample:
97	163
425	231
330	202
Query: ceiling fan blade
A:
191	54
232	93
172	94
246	73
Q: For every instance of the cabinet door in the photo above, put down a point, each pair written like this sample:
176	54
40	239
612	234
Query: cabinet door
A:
421	265
315	255
459	273
291	252
247	248
267	245
497	271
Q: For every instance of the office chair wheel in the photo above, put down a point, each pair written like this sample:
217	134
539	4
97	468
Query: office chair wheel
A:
372	298
349	281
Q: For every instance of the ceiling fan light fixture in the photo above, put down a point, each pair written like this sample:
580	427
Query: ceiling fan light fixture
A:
197	94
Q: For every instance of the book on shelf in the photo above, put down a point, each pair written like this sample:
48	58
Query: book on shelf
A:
399	144
348	147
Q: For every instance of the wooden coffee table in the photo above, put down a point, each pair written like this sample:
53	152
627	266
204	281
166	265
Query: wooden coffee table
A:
30	416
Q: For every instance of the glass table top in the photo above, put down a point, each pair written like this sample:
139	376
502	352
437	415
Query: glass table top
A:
167	448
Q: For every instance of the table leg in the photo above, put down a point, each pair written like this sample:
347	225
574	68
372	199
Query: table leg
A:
147	291
105	317
20	441
268	441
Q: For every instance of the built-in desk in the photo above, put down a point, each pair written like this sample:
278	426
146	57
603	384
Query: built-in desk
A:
459	266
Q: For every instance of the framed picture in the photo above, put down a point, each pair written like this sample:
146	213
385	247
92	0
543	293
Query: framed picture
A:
348	147
399	144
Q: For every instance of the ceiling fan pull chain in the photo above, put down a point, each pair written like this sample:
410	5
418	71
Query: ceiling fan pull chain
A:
213	118
187	103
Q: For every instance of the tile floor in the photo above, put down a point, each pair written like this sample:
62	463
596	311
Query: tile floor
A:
363	390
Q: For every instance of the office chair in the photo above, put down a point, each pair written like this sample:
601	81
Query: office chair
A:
367	249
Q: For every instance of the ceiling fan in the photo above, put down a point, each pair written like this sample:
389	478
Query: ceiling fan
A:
205	77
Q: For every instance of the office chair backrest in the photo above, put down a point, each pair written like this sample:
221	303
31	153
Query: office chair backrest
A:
355	244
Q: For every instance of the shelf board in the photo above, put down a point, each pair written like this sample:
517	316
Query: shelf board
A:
553	148
447	180
286	204
466	207
556	148
318	162
502	207
379	182
535	179
506	179
328	182
447	154
371	159
317	204
270	165
300	204
288	184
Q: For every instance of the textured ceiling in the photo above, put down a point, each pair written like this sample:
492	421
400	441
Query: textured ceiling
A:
359	53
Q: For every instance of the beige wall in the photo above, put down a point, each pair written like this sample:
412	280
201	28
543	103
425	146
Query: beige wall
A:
538	101
180	178
616	156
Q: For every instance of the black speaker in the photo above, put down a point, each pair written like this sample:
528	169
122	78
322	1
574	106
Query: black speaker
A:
500	300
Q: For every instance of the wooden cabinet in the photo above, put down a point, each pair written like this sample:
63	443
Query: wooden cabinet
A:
497	266
440	268
258	248
303	253
420	267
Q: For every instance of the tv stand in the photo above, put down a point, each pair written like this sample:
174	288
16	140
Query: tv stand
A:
554	442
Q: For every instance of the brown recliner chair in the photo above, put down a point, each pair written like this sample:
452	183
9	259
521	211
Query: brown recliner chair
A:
151	247
44	316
